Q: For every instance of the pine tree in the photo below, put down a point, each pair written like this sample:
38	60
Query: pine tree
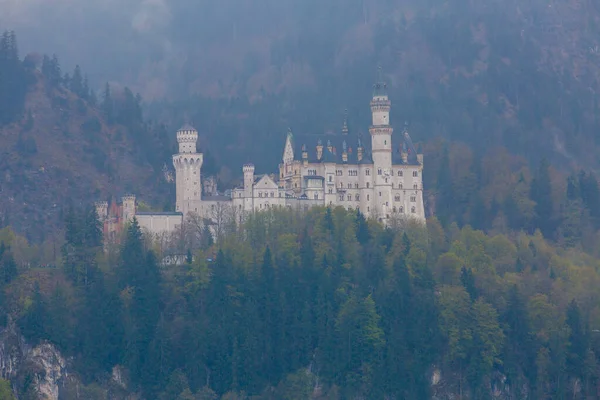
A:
468	281
445	199
541	194
108	106
76	82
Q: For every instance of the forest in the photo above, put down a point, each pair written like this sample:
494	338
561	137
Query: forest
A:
322	305
496	294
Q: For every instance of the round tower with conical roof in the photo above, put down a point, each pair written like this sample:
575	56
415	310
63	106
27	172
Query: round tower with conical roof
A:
188	166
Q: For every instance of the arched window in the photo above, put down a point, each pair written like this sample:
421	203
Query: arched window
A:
413	210
394	209
401	210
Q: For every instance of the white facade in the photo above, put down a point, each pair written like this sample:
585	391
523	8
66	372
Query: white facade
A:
379	179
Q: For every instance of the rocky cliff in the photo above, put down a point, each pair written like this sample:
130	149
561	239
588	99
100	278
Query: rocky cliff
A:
43	371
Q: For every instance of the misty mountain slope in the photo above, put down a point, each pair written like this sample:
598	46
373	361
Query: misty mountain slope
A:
517	74
63	153
521	75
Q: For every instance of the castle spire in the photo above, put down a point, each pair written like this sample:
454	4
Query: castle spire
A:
345	126
380	87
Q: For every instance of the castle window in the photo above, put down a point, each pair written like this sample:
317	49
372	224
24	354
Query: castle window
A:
349	186
387	204
379	194
397	198
341	197
401	210
392	185
394	209
194	172
413	199
386	180
316	196
367	172
357	198
412	210
415	186
400	173
368	209
295	185
330	191
330	178
379	171
349	197
367	185
272	194
415	174
368	197
400	186
240	195
259	194
279	194
356	185
385	142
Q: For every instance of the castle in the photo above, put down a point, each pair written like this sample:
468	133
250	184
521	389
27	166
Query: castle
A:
379	179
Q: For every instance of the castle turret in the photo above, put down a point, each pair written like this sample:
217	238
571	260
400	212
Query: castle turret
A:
319	149
128	207
248	179
304	155
101	210
188	165
359	150
381	146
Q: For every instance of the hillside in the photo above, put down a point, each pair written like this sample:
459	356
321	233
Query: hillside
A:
61	153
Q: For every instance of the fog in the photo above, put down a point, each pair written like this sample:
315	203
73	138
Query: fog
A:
145	43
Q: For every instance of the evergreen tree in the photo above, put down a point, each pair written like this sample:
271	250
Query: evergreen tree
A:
33	323
445	199
541	194
468	281
76	82
107	105
578	342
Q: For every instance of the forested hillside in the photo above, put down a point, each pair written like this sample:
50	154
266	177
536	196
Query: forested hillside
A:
325	305
62	146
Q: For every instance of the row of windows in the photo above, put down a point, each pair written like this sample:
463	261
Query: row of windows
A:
354	172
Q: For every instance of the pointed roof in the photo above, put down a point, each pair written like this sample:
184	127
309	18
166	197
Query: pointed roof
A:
380	87
187	127
345	126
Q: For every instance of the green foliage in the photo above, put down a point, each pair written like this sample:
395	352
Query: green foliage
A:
299	299
5	390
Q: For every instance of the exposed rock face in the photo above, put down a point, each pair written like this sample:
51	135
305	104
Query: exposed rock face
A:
50	372
53	365
44	363
446	386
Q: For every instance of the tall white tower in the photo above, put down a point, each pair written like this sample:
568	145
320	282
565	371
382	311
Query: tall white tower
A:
188	164
381	147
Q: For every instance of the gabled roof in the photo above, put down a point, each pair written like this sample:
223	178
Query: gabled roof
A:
265	181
